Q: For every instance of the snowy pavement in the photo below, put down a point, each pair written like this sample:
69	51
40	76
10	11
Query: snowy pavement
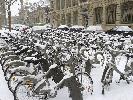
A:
117	91
121	91
5	93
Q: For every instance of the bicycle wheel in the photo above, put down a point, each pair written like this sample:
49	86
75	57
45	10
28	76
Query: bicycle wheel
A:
6	73
86	82
12	82
23	92
107	78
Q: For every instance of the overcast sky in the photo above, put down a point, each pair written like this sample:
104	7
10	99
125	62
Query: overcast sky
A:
16	6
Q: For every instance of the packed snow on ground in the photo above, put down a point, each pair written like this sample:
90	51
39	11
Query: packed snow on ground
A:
5	94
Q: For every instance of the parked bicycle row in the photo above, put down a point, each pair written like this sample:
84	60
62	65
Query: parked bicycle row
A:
36	66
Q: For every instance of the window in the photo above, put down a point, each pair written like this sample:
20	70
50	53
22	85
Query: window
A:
58	4
75	18
75	2
127	12
68	3
98	15
62	4
111	14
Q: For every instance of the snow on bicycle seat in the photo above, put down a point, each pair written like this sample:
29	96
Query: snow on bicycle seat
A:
14	48
28	59
94	46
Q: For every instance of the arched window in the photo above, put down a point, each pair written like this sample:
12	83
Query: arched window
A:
98	15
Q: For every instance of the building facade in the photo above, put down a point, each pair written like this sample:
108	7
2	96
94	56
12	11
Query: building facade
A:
40	15
108	13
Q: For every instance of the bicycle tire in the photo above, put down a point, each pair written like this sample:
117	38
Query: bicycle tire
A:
90	81
25	94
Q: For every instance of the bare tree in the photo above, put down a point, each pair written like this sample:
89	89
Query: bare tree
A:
8	4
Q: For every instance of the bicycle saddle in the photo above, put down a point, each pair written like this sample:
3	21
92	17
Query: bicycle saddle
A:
31	60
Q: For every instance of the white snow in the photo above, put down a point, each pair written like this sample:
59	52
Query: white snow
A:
11	62
41	46
53	66
76	26
2	43
30	58
63	26
22	68
123	28
97	28
35	28
5	93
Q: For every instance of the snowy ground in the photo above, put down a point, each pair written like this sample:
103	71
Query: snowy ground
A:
5	93
121	91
